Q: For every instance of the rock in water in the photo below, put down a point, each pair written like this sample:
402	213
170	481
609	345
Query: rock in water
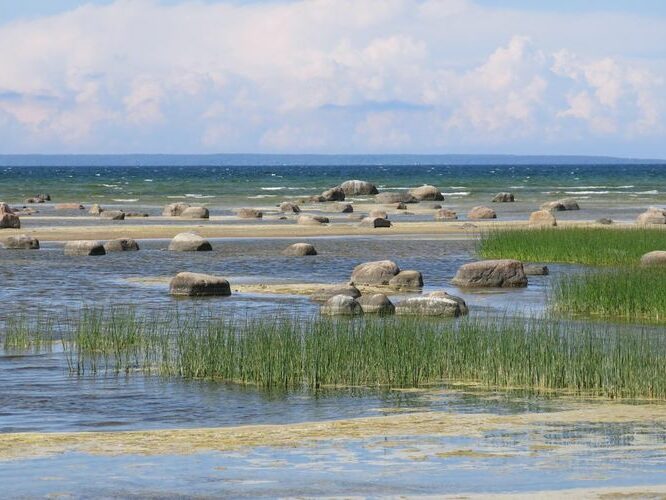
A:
9	221
391	198
121	245
174	209
503	198
375	222
481	213
299	250
542	218
445	214
195	213
189	242
427	193
432	305
323	294
654	258
249	213
461	302
652	215
561	205
311	220
491	274
287	206
345	208
113	214
199	285
535	270
21	242
95	210
376	303
333	194
378	213
69	206
341	305
407	279
375	273
84	248
358	188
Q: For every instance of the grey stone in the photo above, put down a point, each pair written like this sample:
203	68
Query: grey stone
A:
121	245
654	258
199	285
535	270
426	193
113	214
393	197
195	213
325	293
174	209
481	212
407	279
358	188
299	250
375	222
503	198
341	305
376	303
189	242
84	248
375	273
249	213
431	306
504	273
21	242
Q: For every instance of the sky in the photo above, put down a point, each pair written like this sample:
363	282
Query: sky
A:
333	76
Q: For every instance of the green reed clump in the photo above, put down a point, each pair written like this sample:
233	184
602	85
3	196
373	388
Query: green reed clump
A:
635	293
398	352
23	332
574	245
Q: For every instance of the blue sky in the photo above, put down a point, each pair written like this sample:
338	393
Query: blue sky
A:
333	76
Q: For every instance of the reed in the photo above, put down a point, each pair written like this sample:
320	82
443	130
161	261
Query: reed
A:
573	245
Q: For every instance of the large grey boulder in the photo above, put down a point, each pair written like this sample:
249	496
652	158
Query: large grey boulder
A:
199	285
121	245
341	305
543	218
432	305
654	258
503	198
504	273
358	188
652	215
195	213
376	303
84	248
175	209
312	220
249	213
21	242
333	194
299	250
325	293
375	222
375	273
481	212
9	221
426	193
461	302
189	242
407	280
561	205
393	197
112	214
445	214
289	207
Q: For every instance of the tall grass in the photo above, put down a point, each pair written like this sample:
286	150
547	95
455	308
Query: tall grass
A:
397	352
574	245
635	294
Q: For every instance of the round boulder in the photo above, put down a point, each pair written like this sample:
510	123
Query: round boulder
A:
376	303
195	213
391	198
121	245
654	258
504	273
341	305
407	280
79	248
189	242
289	207
325	293
95	209
333	194
174	209
345	208
113	214
461	302
652	215
503	198
249	213
299	250
445	214
9	221
358	188
542	218
69	206
199	285
21	242
426	193
375	222
375	273
432	305
481	212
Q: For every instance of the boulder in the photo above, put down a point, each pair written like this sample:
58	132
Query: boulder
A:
39	198
299	250
78	248
561	205
113	214
542	218
249	213
503	198
481	212
189	242
174	209
604	220
426	193
5	208
461	302
199	285
341	305
445	214
535	270
195	213
376	303
121	245
333	194
654	258
358	188
378	213
432	305
289	207
9	221
391	198
345	208
375	222
408	279
375	273
21	242
652	215
325	293
569	204
401	206
95	210
491	274
312	220
69	206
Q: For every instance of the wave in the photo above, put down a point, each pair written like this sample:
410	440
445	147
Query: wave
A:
652	191
259	196
591	192
198	196
457	193
280	188
125	200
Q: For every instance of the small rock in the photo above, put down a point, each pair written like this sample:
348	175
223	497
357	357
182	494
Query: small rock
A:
604	220
95	210
113	214
535	270
341	305
376	303
503	198
189	242
299	250
287	206
358	188
333	194
542	218
654	258
481	212
21	242
432	306
199	285
175	209
391	198
378	213
445	214
375	273
325	293
491	274
401	206
436	206
121	245
426	193
69	206
137	214
345	208
375	222
195	213
312	220
408	279
561	205
79	248
249	213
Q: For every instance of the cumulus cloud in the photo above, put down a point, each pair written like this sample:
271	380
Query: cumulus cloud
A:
328	76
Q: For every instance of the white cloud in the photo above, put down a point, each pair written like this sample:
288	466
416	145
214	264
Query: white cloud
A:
328	75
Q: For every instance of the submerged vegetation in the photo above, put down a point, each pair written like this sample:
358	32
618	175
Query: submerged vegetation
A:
632	293
397	352
573	245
